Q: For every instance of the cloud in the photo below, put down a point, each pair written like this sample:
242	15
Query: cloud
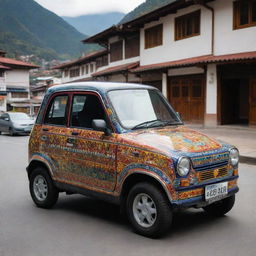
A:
74	8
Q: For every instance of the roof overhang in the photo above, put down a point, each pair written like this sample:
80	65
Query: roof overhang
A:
82	60
116	69
206	59
137	23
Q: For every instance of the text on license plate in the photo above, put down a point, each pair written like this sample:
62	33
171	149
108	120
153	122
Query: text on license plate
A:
216	191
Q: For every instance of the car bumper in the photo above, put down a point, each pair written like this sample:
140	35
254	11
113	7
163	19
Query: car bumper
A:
22	130
195	196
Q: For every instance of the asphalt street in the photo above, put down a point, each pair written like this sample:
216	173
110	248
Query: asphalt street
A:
81	226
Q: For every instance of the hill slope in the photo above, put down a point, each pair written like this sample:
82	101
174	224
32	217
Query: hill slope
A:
28	28
144	8
94	23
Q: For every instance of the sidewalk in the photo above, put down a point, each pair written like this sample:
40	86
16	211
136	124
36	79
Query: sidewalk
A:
243	138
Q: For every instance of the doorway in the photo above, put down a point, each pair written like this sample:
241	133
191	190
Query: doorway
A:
235	108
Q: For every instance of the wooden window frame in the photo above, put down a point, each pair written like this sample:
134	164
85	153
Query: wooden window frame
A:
180	21
236	15
132	46
74	72
116	55
150	40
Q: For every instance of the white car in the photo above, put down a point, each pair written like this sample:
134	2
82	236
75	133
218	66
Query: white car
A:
16	122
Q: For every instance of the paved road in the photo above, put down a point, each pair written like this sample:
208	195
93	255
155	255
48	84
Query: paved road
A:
81	226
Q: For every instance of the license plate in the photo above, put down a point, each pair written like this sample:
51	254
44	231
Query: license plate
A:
27	129
216	192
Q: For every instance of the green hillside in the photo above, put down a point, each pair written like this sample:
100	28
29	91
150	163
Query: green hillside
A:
144	8
28	28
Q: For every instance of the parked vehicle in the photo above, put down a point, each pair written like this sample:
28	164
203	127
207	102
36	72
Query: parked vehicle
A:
15	123
124	143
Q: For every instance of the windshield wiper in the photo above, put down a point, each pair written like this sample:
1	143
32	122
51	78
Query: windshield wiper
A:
166	123
149	124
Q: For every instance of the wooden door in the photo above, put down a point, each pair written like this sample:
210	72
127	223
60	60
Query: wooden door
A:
186	94
252	100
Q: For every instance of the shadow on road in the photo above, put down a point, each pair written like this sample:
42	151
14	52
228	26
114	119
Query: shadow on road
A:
184	221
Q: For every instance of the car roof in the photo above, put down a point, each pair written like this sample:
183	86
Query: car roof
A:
102	87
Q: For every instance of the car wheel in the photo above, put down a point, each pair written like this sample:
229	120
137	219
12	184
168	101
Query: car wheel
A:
221	207
11	132
42	189
148	210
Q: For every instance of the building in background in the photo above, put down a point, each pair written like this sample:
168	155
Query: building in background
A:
14	84
200	54
38	90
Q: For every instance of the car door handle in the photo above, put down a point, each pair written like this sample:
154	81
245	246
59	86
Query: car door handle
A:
135	153
71	141
44	138
75	133
45	129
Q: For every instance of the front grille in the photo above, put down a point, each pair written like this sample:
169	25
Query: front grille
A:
212	174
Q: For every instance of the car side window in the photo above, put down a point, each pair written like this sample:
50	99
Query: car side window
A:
3	116
57	111
85	108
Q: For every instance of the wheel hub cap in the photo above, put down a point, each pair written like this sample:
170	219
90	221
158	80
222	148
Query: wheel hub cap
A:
144	210
40	188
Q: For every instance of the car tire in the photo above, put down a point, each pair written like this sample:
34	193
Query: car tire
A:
148	210
221	207
11	132
42	189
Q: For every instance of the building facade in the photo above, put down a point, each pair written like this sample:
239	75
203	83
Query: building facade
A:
14	84
201	54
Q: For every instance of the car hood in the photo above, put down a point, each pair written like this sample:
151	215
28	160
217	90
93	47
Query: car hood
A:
170	139
25	121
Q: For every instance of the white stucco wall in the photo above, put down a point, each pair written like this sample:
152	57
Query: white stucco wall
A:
17	77
181	49
228	40
211	89
2	84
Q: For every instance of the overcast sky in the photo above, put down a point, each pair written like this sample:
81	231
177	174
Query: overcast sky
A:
74	8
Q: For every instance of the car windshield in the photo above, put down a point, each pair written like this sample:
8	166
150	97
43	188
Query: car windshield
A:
19	116
141	108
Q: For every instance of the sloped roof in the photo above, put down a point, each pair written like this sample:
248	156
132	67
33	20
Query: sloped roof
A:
87	57
12	62
3	67
116	69
198	60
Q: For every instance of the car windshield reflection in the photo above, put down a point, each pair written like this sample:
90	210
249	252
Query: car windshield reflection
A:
141	108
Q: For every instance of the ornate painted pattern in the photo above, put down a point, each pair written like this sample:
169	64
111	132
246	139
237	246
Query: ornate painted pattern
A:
94	161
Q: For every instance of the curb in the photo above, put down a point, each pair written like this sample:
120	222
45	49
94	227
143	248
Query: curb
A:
248	160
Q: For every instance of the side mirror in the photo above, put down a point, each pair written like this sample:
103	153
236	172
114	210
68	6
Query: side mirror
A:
101	126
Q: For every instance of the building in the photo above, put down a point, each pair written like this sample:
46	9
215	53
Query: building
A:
200	53
38	90
14	84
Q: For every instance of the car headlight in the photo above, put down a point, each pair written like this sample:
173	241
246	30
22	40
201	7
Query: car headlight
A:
183	166
234	157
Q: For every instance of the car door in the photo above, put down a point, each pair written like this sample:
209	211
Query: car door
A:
4	123
91	154
53	134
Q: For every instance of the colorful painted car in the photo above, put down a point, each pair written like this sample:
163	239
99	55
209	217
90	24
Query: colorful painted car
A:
124	143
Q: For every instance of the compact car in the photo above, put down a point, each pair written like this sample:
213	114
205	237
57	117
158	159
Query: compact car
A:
15	123
125	144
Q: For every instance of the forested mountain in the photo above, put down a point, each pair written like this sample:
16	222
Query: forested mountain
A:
28	28
144	8
94	23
